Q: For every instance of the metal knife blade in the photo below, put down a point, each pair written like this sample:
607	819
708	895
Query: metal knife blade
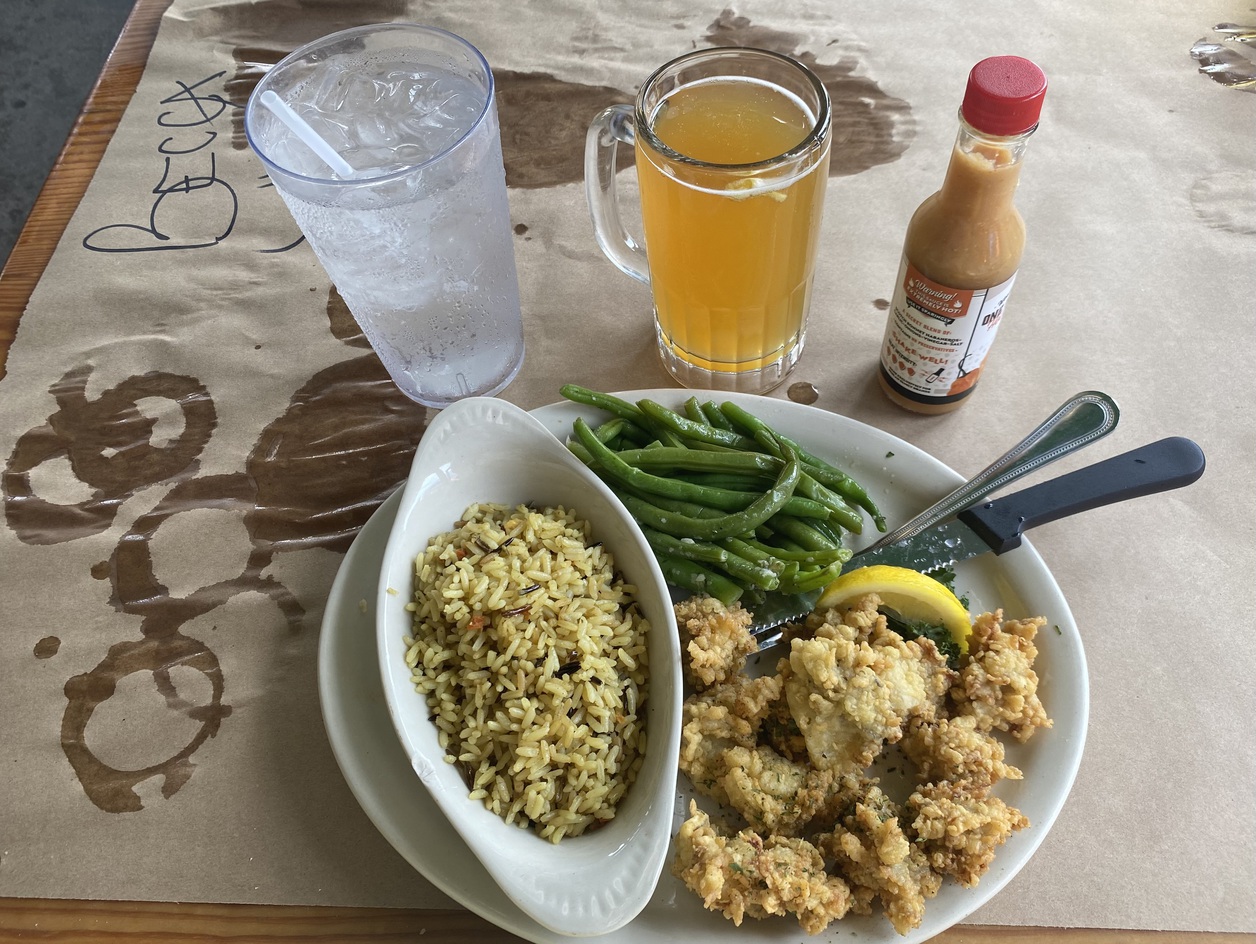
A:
942	545
999	525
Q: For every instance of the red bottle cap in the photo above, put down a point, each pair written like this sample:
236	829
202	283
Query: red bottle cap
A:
1004	95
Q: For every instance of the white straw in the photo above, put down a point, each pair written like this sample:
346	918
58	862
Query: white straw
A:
307	134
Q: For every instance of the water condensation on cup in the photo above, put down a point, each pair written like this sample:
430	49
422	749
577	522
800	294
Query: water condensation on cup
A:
434	317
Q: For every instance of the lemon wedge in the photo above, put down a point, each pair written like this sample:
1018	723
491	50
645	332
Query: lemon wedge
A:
913	595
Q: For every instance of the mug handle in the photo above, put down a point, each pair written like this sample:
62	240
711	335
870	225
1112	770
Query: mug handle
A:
610	128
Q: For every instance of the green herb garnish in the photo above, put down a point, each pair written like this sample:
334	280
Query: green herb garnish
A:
913	629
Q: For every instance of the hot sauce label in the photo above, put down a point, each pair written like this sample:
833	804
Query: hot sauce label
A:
937	337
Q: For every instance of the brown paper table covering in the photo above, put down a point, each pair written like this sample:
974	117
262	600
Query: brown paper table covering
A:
194	429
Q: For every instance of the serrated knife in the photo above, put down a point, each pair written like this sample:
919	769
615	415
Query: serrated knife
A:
999	525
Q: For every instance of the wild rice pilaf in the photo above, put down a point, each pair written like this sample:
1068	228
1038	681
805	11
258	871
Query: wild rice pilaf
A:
531	653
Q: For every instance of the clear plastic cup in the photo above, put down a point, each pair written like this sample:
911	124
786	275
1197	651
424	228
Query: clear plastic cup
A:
417	239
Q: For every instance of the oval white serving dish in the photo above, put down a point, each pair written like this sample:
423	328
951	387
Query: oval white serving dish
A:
488	450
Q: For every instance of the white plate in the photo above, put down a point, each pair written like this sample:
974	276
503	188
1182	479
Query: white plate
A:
903	480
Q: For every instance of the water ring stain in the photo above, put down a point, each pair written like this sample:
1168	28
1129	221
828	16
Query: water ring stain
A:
47	647
1227	201
109	788
803	392
340	321
108	444
322	469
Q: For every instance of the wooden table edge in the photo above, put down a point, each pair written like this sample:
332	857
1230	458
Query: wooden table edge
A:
72	921
100	922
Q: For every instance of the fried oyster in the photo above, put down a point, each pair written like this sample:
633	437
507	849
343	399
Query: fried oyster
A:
953	749
749	875
959	829
715	638
881	864
788	754
853	684
997	684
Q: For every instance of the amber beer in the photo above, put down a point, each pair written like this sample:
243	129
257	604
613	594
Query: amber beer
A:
732	155
731	254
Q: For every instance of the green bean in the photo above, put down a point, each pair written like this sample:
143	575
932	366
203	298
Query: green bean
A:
632	435
771	539
743	420
687	548
805	581
808	537
761	571
839	510
725	500
822	471
739	522
578	450
602	401
738	545
757	554
714	417
789	573
672	488
730	507
610	430
732	481
748	572
610	461
678	505
786	550
843	484
668	457
802	507
826	528
687	428
693	410
667	437
692	576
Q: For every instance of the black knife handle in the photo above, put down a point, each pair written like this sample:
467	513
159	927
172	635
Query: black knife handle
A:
1158	467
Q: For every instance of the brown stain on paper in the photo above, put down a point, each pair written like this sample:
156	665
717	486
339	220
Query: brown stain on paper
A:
113	789
315	475
107	442
548	152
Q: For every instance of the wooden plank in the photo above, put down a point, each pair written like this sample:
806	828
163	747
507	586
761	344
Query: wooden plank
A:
98	922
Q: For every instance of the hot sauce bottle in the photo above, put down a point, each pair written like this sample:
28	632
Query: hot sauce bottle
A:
963	246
